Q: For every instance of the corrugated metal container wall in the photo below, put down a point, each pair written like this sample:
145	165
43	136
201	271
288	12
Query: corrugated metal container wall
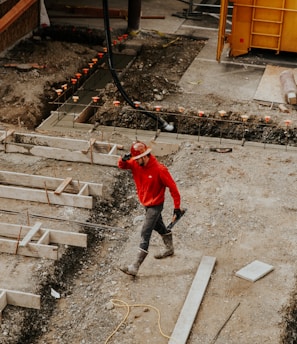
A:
264	24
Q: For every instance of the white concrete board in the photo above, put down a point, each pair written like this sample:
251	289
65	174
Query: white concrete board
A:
269	88
254	271
194	298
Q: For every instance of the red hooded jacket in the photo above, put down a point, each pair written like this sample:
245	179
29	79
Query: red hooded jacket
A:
151	181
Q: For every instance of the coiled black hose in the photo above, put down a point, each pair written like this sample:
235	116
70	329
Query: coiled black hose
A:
161	121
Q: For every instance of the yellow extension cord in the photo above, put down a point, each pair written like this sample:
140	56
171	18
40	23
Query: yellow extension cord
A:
120	303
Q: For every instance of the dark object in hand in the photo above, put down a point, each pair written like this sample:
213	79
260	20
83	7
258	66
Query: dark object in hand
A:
126	157
177	213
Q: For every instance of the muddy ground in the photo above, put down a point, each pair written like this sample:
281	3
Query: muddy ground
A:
241	207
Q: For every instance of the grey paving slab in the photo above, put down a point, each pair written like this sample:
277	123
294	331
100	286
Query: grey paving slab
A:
254	271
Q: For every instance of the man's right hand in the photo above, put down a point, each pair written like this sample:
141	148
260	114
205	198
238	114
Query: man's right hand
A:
126	157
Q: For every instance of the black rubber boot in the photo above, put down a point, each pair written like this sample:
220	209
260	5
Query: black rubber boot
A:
133	268
169	250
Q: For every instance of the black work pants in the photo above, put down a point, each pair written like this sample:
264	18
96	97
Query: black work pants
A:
153	221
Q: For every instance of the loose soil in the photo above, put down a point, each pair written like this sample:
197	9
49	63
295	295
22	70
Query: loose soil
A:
241	207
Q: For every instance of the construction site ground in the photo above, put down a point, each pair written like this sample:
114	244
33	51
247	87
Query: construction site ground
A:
241	205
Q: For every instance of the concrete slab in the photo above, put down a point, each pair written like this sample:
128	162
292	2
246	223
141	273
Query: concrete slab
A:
206	76
269	88
254	271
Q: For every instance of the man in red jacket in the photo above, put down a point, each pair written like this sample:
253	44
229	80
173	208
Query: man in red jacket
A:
151	180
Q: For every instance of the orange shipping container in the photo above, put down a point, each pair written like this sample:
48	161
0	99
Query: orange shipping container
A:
264	24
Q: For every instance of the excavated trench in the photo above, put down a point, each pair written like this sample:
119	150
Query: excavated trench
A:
143	77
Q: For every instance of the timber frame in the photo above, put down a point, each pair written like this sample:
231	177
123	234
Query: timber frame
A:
18	298
66	192
89	151
34	241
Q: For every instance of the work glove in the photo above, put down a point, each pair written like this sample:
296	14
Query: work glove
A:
126	157
177	214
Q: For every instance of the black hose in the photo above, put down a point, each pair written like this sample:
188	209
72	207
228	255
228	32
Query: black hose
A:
161	121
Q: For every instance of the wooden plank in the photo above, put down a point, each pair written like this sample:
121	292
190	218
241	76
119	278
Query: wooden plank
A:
35	195
113	150
45	238
190	308
84	190
59	142
68	238
21	299
10	230
33	181
63	185
3	300
62	148
6	135
31	250
14	13
61	154
28	237
90	145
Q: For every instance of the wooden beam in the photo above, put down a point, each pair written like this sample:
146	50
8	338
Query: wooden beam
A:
31	250
45	238
6	135
63	186
46	196
113	150
62	148
190	308
45	235
14	13
90	145
61	154
21	299
28	237
34	181
3	300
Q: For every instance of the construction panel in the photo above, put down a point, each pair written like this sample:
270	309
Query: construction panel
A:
289	34
241	26
266	24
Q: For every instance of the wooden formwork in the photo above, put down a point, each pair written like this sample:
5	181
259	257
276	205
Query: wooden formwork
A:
35	241
18	298
67	192
88	151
